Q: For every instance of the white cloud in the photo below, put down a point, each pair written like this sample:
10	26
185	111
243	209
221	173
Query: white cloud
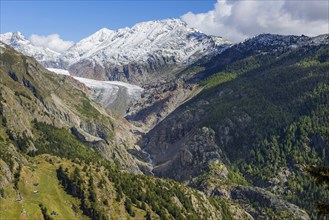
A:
236	20
52	41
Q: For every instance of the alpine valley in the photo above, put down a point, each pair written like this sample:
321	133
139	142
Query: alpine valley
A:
161	121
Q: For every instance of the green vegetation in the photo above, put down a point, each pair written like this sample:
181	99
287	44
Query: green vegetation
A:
321	175
276	107
221	204
217	79
140	195
59	142
191	71
38	193
219	174
270	113
87	110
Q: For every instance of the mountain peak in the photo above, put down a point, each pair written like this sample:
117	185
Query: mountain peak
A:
97	37
17	37
23	45
18	34
166	21
169	23
13	38
103	31
142	43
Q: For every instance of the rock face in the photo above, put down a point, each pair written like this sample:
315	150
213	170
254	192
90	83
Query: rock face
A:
198	150
158	101
184	147
262	198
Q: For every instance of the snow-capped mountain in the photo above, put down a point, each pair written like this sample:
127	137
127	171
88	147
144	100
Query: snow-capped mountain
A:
148	50
111	94
170	37
16	40
137	54
87	46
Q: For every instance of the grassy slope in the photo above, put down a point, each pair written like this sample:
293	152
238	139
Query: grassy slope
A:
50	193
163	199
42	170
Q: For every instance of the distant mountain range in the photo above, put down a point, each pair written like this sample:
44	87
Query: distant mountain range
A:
147	51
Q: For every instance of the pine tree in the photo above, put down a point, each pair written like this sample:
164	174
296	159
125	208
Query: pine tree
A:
148	216
321	175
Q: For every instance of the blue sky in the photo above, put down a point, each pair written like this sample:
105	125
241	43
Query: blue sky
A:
74	20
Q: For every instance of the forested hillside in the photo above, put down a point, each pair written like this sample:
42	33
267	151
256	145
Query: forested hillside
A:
263	112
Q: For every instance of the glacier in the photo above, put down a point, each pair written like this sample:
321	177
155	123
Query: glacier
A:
111	94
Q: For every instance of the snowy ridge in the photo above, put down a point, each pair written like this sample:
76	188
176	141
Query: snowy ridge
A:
279	43
21	44
88	44
169	37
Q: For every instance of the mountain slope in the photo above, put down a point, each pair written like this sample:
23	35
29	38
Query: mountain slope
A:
237	138
64	156
263	111
50	186
150	54
32	113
